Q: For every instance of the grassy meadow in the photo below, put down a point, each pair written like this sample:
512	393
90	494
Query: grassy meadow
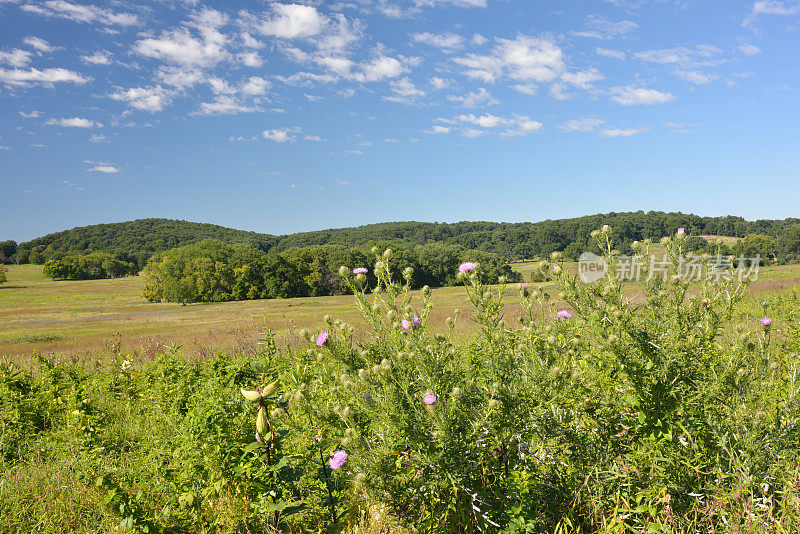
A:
654	407
82	319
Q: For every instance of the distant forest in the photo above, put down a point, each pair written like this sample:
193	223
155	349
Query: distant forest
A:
135	242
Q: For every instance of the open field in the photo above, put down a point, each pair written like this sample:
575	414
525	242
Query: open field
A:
81	318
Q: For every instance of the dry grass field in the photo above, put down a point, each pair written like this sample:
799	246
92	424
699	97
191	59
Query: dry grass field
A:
81	319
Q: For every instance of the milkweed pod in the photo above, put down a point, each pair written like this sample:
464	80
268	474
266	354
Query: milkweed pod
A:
250	395
267	390
261	421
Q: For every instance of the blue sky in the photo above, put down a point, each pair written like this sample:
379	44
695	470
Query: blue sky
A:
284	117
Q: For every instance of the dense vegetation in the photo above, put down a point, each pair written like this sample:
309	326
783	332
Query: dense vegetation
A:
678	412
136	241
91	266
213	271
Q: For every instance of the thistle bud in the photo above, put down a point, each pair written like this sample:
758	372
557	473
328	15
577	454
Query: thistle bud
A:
426	290
665	241
612	339
387	253
386	364
374	250
594	233
346	412
408	271
494	404
343	271
376	368
501	280
327	319
556	269
363	373
456	391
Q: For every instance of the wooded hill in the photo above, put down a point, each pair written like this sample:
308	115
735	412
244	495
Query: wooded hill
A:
136	241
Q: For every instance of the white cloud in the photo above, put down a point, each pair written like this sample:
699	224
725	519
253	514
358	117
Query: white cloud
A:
74	122
280	135
226	105
30	115
82	13
600	28
698	56
46	77
583	79
696	77
255	86
97	138
314	138
145	98
219	86
40	45
516	125
606	52
180	77
520	59
250	59
749	50
622	132
404	92
588	124
459	3
105	169
478	39
630	96
439	83
251	42
178	46
474	99
15	57
98	58
289	21
436	129
770	7
445	41
380	68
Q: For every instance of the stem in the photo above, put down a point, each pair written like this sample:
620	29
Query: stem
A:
328	484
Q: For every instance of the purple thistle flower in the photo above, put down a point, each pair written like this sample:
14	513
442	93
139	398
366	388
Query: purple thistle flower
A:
416	321
366	395
360	270
429	399
405	324
766	321
322	338
338	459
467	267
681	230
564	314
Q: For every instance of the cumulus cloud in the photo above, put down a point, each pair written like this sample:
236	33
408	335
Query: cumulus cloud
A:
46	77
588	124
515	125
447	42
699	56
404	92
520	59
289	21
439	83
459	3
15	57
179	46
481	97
622	132
601	28
607	52
226	105
770	7
280	135
696	77
255	86
749	50
98	58
38	44
631	96
74	122
103	168
150	99
82	13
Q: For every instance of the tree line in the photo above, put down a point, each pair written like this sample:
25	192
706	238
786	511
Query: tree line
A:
88	267
214	271
137	241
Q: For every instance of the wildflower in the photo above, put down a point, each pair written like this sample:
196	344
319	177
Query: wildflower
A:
338	459
766	321
322	338
564	314
416	321
360	270
467	267
681	230
366	395
429	399
405	324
